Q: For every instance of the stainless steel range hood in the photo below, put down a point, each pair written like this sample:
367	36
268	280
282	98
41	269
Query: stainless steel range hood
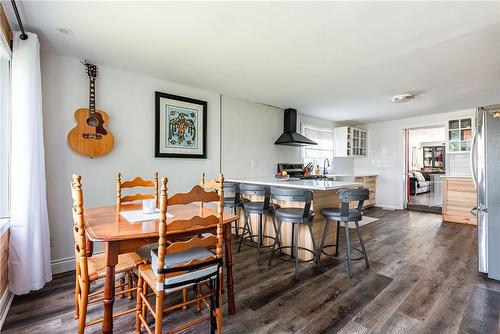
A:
290	136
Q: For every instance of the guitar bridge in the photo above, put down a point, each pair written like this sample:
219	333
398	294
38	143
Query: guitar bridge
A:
92	136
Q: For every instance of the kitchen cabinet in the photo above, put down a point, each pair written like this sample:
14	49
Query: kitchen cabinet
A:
369	182
350	142
459	139
459	198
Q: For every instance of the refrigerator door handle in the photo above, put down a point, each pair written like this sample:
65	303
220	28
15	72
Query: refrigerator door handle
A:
482	208
473	166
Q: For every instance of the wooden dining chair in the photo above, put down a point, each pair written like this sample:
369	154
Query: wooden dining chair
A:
184	263
210	185
92	267
122	201
137	182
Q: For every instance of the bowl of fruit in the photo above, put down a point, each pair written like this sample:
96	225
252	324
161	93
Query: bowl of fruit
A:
282	176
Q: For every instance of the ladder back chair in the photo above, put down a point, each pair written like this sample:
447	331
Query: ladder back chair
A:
184	264
122	201
137	182
346	214
90	268
232	198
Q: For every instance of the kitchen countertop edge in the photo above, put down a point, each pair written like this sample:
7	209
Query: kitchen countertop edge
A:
300	184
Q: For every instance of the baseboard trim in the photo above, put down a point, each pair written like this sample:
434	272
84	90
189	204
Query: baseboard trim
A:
65	264
388	207
62	265
5	302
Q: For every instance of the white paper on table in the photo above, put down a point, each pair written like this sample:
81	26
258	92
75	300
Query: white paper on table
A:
136	216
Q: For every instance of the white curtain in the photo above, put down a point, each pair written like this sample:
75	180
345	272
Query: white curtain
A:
29	256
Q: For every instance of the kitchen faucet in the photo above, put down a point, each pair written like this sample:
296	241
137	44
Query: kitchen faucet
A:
326	161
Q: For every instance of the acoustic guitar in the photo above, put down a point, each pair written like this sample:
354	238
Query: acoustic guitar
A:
89	137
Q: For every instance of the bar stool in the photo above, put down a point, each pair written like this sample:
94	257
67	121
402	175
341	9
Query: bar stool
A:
233	201
295	216
256	207
345	214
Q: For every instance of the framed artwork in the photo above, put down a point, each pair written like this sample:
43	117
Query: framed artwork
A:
180	127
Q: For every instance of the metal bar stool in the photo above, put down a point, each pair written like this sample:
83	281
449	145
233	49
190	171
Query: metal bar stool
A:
233	201
345	214
256	207
295	216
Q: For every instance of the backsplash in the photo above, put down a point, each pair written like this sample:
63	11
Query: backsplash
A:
458	164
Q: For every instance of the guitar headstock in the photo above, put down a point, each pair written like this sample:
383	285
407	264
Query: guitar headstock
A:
91	69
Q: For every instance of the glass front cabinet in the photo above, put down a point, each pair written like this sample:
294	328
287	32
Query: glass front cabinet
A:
434	158
460	135
350	142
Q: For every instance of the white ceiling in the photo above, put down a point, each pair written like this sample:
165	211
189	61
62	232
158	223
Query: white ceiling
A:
336	60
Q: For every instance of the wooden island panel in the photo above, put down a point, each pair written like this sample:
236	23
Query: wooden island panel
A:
459	197
369	182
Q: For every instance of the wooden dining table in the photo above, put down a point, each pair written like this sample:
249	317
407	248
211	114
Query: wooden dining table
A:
107	226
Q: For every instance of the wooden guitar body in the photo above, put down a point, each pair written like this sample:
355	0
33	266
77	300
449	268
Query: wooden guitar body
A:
89	137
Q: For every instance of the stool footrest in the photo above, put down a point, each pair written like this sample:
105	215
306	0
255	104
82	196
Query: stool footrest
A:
290	258
342	258
247	240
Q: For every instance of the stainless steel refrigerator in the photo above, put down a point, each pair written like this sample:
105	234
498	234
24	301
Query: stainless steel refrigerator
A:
485	164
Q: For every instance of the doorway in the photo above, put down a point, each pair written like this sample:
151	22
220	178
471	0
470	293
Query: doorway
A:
426	164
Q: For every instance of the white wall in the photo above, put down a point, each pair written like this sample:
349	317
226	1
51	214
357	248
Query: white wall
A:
249	131
386	154
458	164
338	165
248	134
129	100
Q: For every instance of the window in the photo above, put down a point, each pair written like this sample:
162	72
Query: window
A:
324	150
4	130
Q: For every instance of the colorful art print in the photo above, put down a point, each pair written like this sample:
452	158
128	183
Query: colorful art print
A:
180	126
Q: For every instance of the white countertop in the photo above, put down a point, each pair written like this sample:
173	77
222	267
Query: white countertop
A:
296	183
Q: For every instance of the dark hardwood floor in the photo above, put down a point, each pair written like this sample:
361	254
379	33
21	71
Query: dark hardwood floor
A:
422	279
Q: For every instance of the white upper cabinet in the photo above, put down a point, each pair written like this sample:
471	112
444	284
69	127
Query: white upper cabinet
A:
350	142
460	133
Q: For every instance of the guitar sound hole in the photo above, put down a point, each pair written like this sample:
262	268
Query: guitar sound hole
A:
93	122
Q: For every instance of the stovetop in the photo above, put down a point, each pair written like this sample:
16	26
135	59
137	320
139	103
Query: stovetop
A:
296	170
312	177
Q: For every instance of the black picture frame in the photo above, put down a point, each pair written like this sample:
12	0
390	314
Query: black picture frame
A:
158	115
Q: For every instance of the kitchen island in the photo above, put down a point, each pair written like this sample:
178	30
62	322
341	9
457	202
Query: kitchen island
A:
325	194
369	180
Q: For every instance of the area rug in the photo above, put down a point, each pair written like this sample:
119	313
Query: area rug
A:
366	220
